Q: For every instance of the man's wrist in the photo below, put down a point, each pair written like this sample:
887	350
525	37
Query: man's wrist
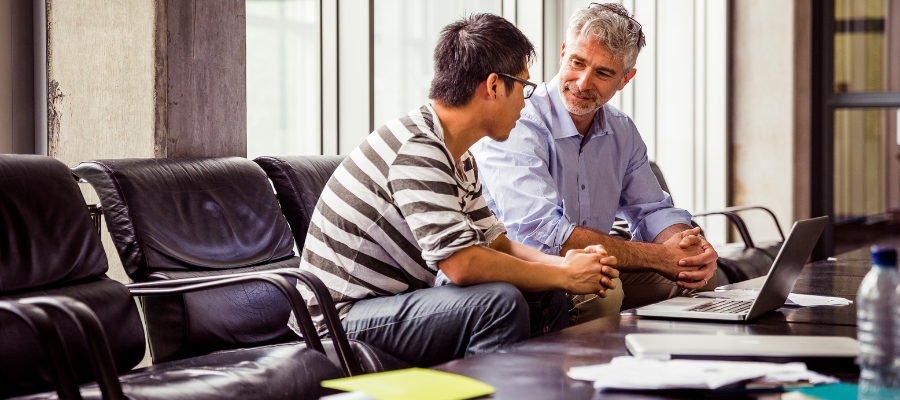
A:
559	277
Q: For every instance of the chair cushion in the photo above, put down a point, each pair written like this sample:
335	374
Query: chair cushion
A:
276	372
740	263
770	247
189	214
114	307
299	181
48	236
245	315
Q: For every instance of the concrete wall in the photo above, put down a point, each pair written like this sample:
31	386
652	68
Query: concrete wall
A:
101	74
101	94
769	104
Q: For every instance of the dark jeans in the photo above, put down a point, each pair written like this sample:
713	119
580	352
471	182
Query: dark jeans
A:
431	326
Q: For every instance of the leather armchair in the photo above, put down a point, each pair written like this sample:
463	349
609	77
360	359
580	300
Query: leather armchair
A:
197	220
299	181
50	249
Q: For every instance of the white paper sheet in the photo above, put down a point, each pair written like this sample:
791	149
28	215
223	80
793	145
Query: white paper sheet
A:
794	299
645	374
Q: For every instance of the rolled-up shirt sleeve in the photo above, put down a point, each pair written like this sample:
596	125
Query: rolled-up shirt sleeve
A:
520	190
422	184
647	208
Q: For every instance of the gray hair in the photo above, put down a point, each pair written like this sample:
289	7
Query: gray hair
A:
619	33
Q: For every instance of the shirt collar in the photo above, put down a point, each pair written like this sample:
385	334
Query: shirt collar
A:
599	127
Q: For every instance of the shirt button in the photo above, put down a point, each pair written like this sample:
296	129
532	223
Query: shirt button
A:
584	222
582	187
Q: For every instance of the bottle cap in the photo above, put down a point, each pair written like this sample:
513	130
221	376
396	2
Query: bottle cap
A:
884	255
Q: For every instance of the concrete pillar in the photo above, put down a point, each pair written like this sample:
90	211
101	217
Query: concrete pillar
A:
143	79
770	111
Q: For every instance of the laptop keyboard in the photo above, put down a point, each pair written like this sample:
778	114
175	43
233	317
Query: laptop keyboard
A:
723	307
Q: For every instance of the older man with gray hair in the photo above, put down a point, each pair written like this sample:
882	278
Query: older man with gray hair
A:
573	163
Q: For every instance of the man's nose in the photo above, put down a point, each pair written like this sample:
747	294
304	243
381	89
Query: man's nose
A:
583	81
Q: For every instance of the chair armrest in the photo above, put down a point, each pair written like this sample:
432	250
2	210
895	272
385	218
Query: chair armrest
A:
738	223
182	286
92	332
745	208
40	324
349	362
96	213
94	210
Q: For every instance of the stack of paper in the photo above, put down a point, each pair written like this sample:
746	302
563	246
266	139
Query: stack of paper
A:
794	299
642	374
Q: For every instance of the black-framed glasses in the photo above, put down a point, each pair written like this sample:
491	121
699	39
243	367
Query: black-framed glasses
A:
528	87
611	9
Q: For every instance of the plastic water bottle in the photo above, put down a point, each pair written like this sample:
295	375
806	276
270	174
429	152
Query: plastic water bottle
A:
875	317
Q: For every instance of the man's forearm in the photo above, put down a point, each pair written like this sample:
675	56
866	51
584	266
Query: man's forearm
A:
523	252
671	230
632	256
477	264
530	270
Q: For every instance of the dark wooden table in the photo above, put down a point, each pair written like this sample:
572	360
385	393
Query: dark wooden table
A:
536	369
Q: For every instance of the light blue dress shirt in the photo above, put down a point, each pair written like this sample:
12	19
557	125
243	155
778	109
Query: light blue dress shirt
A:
542	183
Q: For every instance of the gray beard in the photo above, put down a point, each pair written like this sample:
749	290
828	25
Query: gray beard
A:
569	107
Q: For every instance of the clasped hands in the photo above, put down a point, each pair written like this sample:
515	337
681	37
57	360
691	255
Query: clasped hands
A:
691	260
591	270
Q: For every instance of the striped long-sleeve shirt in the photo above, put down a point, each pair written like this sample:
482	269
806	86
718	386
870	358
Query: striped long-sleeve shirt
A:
394	208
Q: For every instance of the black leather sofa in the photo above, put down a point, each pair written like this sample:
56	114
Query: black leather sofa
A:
50	254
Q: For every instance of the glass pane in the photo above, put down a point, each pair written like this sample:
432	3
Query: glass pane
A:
406	32
282	77
866	46
866	163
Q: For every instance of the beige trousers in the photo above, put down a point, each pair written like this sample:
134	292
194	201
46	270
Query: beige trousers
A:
633	289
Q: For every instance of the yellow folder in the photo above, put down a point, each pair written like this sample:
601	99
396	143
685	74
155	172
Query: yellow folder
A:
413	384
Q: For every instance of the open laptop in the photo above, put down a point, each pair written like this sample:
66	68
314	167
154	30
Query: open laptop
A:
772	295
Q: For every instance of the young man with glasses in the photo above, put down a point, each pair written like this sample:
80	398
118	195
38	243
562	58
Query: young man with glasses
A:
407	204
573	163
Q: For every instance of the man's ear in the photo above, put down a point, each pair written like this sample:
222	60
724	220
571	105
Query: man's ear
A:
627	78
562	54
492	83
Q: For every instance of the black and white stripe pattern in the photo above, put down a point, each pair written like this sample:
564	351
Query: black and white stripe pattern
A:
394	208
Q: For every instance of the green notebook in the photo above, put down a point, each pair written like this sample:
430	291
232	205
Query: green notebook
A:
839	391
413	384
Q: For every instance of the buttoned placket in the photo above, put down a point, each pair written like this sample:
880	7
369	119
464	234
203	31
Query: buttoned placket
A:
584	199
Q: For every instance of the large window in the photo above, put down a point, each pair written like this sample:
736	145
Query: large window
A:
322	74
856	95
283	79
406	32
865	171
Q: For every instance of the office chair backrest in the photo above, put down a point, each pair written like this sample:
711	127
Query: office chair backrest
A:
185	214
659	176
49	247
299	181
40	208
181	218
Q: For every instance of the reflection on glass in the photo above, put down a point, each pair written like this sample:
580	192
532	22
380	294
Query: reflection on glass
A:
866	43
865	163
282	77
406	32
